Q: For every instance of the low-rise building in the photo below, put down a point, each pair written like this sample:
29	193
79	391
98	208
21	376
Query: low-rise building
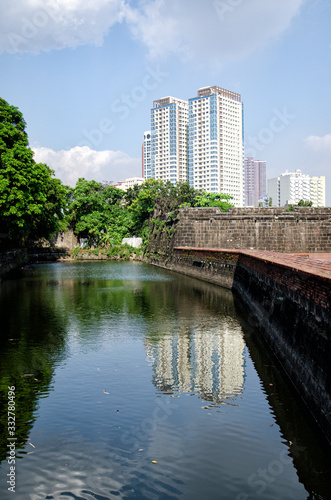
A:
129	183
291	187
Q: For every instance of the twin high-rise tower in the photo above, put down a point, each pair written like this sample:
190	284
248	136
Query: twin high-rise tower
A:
169	140
199	141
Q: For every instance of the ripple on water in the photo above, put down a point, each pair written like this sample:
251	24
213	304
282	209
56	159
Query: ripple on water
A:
151	396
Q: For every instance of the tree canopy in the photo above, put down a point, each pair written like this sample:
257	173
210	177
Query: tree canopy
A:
104	215
31	199
96	212
34	204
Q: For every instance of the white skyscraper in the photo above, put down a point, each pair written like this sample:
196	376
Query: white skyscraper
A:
291	187
317	191
169	140
216	151
146	155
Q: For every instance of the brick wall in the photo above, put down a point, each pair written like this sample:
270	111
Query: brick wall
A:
286	299
291	309
303	230
216	267
65	239
13	260
299	285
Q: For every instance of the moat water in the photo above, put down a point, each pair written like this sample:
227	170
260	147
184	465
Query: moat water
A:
133	382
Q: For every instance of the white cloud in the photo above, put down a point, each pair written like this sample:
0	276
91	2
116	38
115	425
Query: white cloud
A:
212	30
202	30
161	34
35	25
317	143
77	162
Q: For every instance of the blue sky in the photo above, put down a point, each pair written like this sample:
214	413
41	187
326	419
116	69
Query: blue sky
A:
85	74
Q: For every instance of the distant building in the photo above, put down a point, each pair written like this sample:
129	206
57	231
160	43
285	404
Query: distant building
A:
199	141
291	187
146	155
129	183
255	181
274	192
263	201
317	191
216	152
169	140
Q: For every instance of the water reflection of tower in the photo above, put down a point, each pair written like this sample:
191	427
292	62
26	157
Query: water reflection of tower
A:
207	358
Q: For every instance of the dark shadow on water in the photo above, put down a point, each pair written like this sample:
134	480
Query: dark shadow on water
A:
307	444
32	341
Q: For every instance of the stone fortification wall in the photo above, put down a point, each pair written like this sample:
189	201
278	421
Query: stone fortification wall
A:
303	230
13	260
65	240
286	297
290	306
215	266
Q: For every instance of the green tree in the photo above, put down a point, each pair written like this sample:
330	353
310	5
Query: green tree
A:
171	197
96	212
166	197
204	199
31	200
186	194
84	199
305	203
144	204
105	215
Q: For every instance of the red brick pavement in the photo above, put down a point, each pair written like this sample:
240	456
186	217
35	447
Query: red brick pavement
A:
316	264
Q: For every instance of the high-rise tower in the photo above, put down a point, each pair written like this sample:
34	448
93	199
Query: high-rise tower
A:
146	155
169	140
216	145
255	181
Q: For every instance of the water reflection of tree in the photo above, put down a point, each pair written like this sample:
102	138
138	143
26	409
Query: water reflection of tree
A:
32	341
39	309
200	318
